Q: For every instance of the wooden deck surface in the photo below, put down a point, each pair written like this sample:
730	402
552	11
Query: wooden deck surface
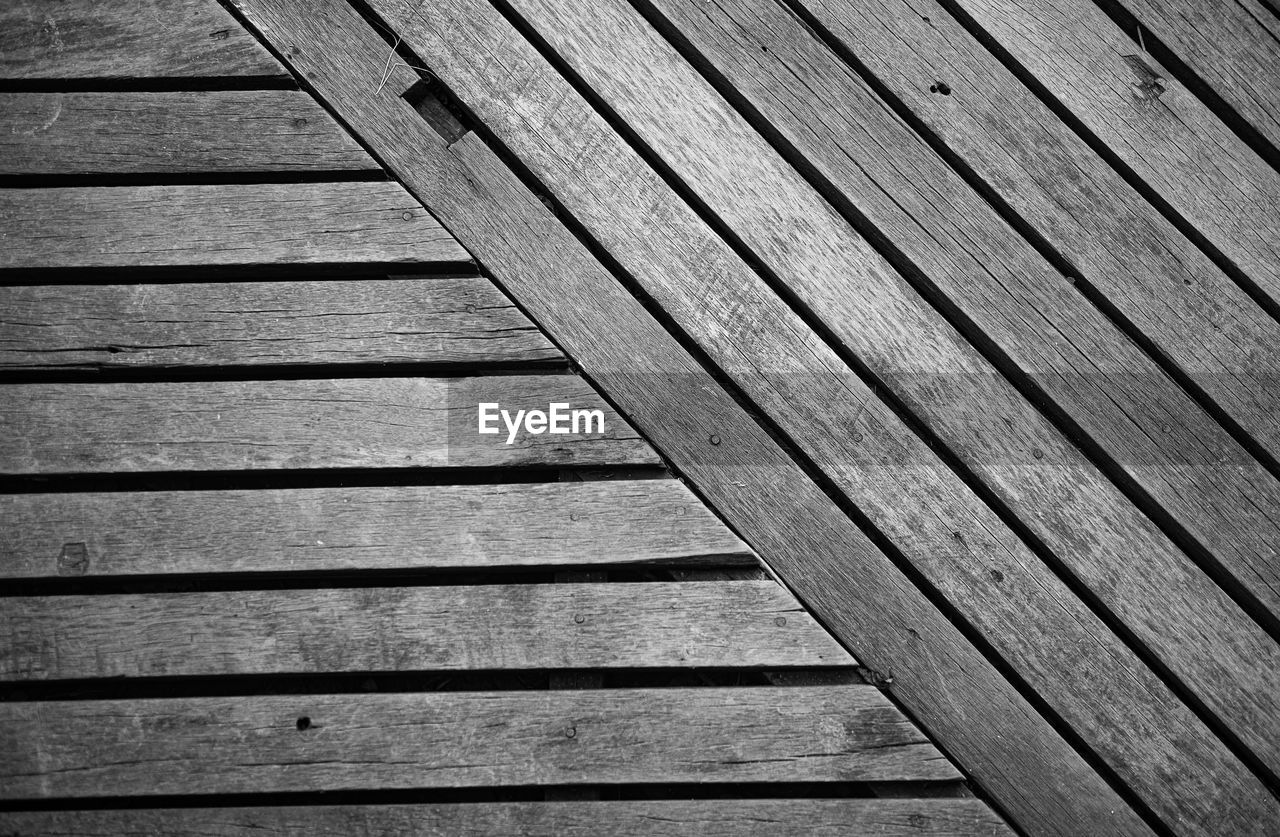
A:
958	321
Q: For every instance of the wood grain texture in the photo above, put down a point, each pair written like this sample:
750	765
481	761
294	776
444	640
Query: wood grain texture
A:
340	423
1195	316
402	319
926	509
844	580
670	817
880	317
1157	591
1265	12
1234	48
1218	496
731	624
458	739
1157	127
1000	587
179	226
409	528
144	38
208	131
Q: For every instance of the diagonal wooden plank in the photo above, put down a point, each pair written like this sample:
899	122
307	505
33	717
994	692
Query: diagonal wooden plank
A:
1234	48
728	624
459	739
657	521
1126	252
666	817
401	319
1265	12
179	226
82	39
1207	487
834	569
132	133
1199	483
950	232
342	423
938	221
1147	118
1040	627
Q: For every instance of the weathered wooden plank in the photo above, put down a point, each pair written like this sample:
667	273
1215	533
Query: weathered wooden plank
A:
403	319
1178	612
1157	127
833	567
208	131
728	624
179	226
404	528
586	679
1235	49
1265	12
343	423
145	38
673	817
1075	357
1000	586
1239	534
459	739
1196	316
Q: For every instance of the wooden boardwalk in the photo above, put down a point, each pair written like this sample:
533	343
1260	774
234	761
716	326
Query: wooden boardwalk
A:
937	350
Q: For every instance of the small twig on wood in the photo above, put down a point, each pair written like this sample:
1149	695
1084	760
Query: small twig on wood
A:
391	63
389	67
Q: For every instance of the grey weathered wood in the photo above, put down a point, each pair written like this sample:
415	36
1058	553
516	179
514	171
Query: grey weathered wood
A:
402	319
728	624
591	679
1175	609
1156	435
1148	119
405	528
668	817
835	570
178	226
1265	12
1196	316
1219	496
144	38
1199	478
206	131
458	739
342	423
1235	49
1022	608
